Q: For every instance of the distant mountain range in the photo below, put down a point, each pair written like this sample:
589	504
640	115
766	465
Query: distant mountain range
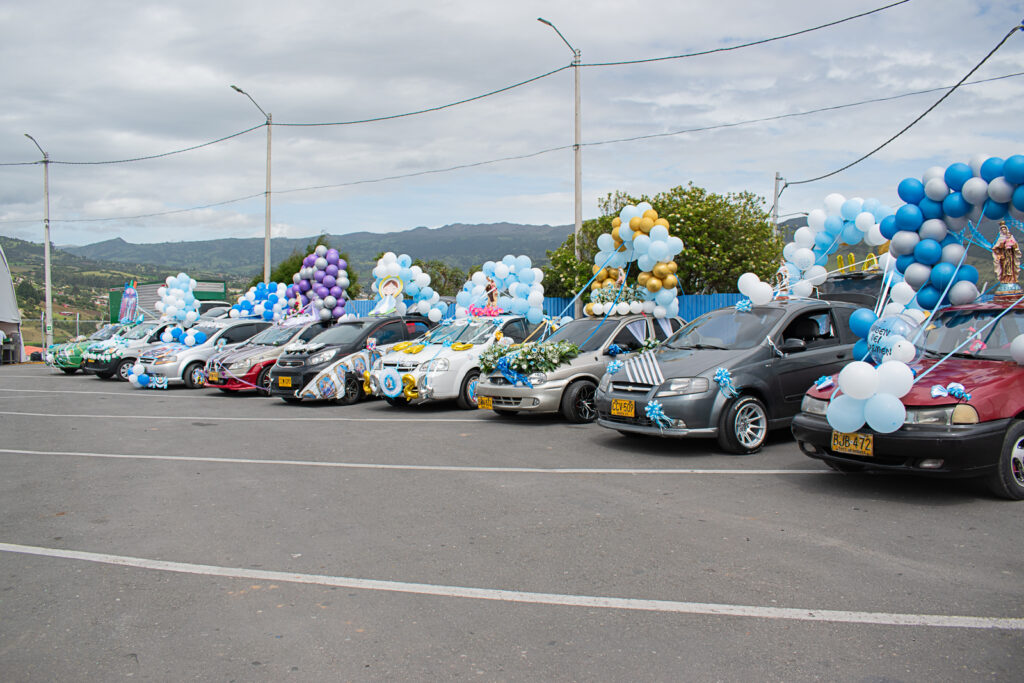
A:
460	245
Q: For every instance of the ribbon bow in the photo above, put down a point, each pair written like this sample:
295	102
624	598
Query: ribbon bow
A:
614	366
744	305
514	378
823	382
954	389
724	380
614	350
656	414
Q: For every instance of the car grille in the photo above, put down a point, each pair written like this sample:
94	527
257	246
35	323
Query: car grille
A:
147	359
506	402
402	367
291	363
213	366
498	380
632	387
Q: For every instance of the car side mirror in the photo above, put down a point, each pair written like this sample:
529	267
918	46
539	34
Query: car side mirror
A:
794	345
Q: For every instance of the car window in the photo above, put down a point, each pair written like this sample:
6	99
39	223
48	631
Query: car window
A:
415	328
632	336
816	328
388	334
310	332
239	333
665	328
515	330
727	328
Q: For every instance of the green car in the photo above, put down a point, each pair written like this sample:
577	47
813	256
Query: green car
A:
67	357
115	356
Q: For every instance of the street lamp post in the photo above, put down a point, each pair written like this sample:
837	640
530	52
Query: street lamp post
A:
266	237
577	156
48	319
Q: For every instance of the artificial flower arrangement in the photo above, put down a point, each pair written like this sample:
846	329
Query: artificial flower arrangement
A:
608	294
530	357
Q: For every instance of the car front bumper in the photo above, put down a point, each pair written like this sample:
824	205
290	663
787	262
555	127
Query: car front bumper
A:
100	366
691	415
172	371
543	398
226	378
946	450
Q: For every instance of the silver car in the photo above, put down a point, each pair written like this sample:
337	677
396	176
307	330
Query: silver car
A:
180	363
570	388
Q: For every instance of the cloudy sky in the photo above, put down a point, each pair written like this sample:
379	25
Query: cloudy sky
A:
109	81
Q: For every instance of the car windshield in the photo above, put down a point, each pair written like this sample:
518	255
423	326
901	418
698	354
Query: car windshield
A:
208	330
140	331
594	331
275	336
726	328
974	333
105	332
470	331
342	333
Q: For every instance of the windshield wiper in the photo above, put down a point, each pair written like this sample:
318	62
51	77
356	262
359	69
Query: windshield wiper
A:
699	347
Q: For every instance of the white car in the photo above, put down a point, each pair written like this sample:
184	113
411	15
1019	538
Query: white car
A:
443	364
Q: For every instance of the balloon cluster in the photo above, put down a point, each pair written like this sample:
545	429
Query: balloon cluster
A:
944	200
180	335
758	292
138	378
639	234
889	337
871	395
513	281
322	281
177	300
268	302
415	285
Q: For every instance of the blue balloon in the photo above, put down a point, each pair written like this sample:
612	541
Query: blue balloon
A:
200	337
850	209
519	306
143	380
991	169
852	235
1013	169
845	414
903	261
955	205
176	332
860	350
967	272
820	258
861	321
463	299
1018	198
405	261
884	413
881	212
268	314
995	210
534	315
928	252
930	208
928	297
909	217
833	225
887	226
822	240
910	190
942	275
956	175
488	268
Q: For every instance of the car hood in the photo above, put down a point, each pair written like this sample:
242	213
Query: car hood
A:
694	362
301	350
254	352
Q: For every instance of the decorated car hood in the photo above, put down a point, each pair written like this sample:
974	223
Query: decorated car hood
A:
254	352
694	362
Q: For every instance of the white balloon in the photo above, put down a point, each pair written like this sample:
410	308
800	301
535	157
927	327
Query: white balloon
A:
903	351
761	294
1017	349
649	307
895	377
858	380
501	271
597	308
804	237
915	315
803	289
803	258
660	311
902	293
388	257
874	236
401	308
746	282
622	308
479	278
816	275
892	309
434	315
1001	190
833	203
864	221
636	307
816	220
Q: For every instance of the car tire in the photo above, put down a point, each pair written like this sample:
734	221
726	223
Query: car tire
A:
123	369
69	371
467	393
263	379
397	401
194	377
578	402
353	390
743	427
1008	480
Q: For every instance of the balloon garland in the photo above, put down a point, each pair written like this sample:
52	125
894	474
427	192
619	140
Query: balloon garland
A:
511	285
177	299
321	281
395	277
266	302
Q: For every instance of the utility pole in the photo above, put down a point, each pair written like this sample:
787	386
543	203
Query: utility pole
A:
775	204
266	212
48	311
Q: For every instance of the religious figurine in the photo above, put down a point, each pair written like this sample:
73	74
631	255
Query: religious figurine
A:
491	290
1006	263
780	283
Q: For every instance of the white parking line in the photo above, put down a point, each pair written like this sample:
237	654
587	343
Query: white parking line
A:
427	468
133	393
671	606
248	419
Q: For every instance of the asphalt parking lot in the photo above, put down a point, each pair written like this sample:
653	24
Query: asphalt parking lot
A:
179	535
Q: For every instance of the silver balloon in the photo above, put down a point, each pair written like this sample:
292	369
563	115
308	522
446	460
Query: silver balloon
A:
952	253
933	173
320	263
318	303
330	302
975	191
325	314
963	292
933	229
936	189
956	223
320	250
1001	190
296	278
917	274
903	242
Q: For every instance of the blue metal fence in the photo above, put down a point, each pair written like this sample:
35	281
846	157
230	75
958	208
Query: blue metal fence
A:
690	305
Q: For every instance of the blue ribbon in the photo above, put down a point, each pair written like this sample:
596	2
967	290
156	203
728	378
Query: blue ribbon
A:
614	350
724	380
514	378
954	389
614	366
823	382
656	414
744	305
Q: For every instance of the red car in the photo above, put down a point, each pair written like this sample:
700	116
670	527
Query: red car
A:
978	434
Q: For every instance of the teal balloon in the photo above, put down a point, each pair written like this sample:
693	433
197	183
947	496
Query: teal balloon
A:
884	413
845	414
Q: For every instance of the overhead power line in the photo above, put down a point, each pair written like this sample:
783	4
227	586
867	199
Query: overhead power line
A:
750	44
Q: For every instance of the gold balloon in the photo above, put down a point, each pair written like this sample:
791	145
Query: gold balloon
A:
661	270
653	284
651	213
616	222
595	269
642	278
669	281
672	266
635	222
595	285
589	309
615	234
608	283
646	224
661	221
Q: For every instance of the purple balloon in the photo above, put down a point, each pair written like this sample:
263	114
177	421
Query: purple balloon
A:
332	257
341	264
338	311
304	286
319	276
329	281
336	291
322	291
332	270
304	299
331	252
309	260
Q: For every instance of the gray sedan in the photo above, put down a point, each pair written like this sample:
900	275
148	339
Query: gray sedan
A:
730	374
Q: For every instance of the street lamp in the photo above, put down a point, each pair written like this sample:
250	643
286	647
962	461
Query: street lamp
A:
577	152
48	322
266	237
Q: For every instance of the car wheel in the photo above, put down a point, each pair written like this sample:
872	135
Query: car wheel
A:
578	402
263	379
124	368
194	376
744	426
1008	480
397	401
353	390
69	371
291	399
467	394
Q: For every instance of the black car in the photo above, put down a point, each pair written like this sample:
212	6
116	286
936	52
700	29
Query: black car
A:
770	354
301	363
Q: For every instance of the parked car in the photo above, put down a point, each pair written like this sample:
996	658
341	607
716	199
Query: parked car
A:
67	357
115	356
247	366
444	364
180	363
979	434
764	359
293	376
569	388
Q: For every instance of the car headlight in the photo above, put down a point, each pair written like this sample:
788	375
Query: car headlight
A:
961	414
680	386
243	364
323	356
605	383
536	378
436	365
166	360
813	406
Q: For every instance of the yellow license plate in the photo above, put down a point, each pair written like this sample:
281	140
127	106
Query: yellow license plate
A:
854	444
623	407
485	403
284	381
214	377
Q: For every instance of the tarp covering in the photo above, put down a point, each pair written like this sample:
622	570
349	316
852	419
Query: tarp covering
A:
8	302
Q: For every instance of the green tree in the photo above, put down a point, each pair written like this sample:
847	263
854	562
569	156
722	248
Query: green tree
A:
26	293
445	279
284	270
